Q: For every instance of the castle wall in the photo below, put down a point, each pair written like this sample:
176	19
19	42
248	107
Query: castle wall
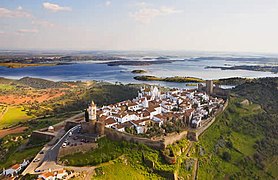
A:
157	144
70	124
42	136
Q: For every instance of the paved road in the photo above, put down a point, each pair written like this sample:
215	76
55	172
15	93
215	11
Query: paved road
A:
49	157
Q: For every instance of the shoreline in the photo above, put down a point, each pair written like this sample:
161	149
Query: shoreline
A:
24	65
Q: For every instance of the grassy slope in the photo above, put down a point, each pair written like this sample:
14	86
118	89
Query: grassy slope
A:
231	128
125	161
121	169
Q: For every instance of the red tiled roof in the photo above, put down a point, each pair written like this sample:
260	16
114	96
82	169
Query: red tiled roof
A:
47	174
123	125
16	166
109	121
140	121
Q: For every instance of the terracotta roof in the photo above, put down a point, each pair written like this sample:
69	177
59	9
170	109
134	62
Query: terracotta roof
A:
102	118
154	105
188	112
16	166
61	171
47	174
160	116
123	125
132	104
109	121
139	121
146	113
151	109
191	90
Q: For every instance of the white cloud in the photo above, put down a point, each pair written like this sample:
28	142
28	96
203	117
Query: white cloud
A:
145	13
142	4
107	3
19	8
6	13
27	31
42	23
55	7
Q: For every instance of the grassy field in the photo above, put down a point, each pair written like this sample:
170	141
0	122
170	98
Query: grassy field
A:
14	115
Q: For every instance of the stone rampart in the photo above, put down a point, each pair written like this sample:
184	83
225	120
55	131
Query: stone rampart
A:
157	144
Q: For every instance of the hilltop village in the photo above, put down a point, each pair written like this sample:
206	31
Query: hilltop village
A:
155	117
153	111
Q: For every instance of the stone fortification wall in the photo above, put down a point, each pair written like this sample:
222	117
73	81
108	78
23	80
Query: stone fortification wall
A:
174	137
121	136
93	127
157	144
44	136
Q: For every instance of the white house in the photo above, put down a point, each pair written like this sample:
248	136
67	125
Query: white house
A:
61	174
15	169
196	122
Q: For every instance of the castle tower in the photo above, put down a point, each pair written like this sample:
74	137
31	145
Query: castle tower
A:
209	87
92	111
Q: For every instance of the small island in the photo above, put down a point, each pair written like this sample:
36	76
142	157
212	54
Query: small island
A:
170	79
138	71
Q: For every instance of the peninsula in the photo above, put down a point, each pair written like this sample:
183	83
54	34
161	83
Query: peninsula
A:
273	69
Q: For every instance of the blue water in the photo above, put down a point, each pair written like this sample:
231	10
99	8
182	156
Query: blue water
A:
93	71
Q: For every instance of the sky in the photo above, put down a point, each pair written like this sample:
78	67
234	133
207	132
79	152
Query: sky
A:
191	25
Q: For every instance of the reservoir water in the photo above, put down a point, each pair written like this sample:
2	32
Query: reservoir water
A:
92	70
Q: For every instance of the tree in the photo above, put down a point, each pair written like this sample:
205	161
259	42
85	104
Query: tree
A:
86	115
226	156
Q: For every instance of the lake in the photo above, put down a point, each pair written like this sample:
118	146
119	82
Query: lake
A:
92	70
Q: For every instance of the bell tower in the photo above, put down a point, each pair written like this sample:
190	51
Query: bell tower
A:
92	111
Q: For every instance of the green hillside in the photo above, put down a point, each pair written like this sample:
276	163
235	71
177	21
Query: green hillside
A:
242	143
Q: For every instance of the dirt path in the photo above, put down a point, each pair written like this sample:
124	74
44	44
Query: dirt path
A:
195	169
15	130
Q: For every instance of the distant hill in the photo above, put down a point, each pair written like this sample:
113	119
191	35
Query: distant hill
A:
40	83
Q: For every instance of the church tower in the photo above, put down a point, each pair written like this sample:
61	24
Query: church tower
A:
92	111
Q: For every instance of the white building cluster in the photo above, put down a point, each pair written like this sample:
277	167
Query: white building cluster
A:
15	169
153	107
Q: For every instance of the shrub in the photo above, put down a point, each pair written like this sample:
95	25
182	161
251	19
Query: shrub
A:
226	156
